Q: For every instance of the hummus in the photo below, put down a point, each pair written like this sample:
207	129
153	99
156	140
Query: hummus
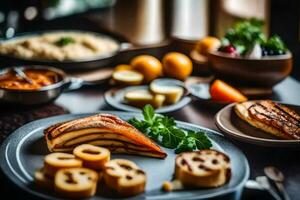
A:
59	46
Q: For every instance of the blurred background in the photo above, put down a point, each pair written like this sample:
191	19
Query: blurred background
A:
152	22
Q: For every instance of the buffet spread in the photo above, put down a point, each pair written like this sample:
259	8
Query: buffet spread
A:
83	153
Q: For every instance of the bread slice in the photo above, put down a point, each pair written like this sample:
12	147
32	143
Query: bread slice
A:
202	169
76	182
124	177
242	110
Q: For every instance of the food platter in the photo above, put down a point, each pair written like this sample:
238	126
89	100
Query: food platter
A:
232	126
22	153
115	98
73	65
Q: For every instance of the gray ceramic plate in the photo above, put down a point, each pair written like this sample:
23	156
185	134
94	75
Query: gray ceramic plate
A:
23	151
232	126
115	98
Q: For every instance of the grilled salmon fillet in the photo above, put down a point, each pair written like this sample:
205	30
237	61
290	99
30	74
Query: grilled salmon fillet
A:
270	117
102	130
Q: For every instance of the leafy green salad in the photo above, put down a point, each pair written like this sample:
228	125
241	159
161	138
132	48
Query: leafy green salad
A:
246	38
164	131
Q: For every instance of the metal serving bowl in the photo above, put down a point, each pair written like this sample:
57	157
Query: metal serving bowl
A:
37	96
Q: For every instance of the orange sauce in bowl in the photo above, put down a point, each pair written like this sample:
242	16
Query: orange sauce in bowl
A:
39	77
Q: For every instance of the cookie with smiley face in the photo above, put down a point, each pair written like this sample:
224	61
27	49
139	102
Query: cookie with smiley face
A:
43	181
124	177
202	169
56	161
93	157
76	182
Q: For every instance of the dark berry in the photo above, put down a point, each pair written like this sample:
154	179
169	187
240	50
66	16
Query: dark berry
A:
221	49
264	52
271	53
230	49
280	52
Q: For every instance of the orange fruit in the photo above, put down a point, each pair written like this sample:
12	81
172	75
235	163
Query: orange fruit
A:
221	91
207	44
123	67
148	65
177	65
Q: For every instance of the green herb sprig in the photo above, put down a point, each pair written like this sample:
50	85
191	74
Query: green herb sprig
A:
245	34
276	44
63	41
164	130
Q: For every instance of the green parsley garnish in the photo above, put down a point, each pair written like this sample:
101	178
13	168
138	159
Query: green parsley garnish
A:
63	41
164	130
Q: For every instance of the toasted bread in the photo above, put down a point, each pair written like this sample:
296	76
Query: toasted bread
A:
273	119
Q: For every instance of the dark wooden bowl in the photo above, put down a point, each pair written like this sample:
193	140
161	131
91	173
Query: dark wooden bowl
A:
200	63
265	72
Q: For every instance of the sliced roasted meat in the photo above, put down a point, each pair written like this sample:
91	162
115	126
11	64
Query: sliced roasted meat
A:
271	117
103	130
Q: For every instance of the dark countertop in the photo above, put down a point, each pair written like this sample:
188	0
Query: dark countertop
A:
202	113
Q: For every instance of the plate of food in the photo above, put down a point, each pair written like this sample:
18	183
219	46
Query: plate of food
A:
168	95
66	49
29	85
163	98
216	91
38	84
166	84
147	80
115	154
246	57
262	122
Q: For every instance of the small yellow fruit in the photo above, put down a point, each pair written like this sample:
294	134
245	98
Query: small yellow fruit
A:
207	44
128	77
148	65
123	67
177	65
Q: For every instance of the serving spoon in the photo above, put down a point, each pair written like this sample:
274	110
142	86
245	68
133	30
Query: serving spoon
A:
265	184
277	176
21	74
